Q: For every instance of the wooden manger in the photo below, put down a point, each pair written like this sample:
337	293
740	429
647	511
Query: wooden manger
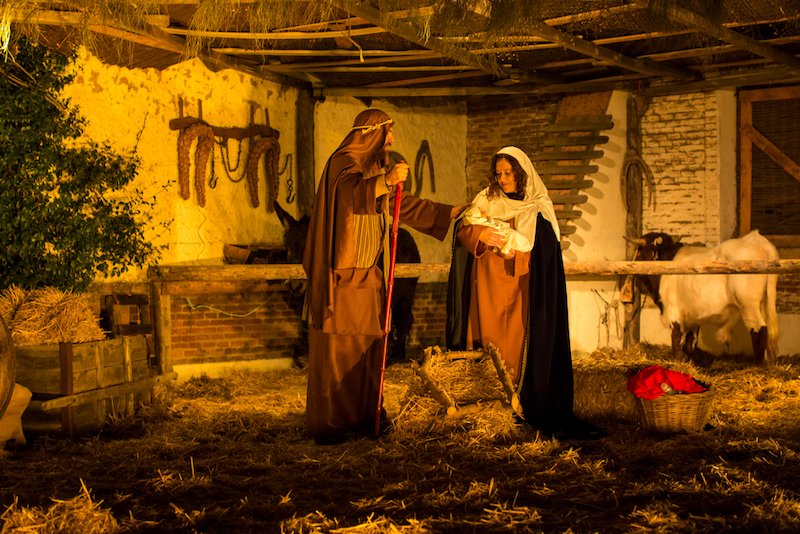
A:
474	384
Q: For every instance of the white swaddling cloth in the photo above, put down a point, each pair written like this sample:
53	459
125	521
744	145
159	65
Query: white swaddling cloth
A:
513	239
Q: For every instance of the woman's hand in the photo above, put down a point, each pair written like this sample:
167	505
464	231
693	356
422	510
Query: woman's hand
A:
457	210
399	173
509	256
491	237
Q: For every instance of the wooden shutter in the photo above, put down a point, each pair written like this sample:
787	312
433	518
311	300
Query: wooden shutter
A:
769	156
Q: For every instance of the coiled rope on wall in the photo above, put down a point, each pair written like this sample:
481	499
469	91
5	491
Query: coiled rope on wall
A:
271	149
205	143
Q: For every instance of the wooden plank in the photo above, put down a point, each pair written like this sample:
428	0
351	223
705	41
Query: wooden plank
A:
770	93
745	170
567	169
71	18
568	155
128	367
111	391
588	126
587	48
277	36
304	143
162	304
125	288
411	33
569	199
567	229
761	76
428	79
776	154
568	214
709	27
66	387
568	184
412	270
246	132
585	140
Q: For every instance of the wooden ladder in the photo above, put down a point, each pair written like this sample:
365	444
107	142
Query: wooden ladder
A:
568	149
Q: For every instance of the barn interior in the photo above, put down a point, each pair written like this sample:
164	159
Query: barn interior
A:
692	109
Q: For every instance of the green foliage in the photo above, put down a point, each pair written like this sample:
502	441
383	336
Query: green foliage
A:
65	211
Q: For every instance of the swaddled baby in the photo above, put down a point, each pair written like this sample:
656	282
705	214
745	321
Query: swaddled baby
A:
513	239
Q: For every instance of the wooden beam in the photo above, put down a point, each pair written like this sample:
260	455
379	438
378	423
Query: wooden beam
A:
775	75
428	79
769	148
72	18
576	44
708	27
157	38
280	35
410	54
288	67
241	273
410	33
380	68
590	15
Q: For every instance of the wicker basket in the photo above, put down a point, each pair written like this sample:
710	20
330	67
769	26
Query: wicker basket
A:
674	413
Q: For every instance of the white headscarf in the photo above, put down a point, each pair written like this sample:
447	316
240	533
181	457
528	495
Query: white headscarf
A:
524	212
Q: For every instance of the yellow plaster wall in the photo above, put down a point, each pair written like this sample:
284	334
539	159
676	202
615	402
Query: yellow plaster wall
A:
131	109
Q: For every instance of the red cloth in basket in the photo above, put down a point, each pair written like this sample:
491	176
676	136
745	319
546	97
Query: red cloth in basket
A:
647	382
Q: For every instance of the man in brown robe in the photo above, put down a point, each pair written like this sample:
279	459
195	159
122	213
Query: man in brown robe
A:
346	267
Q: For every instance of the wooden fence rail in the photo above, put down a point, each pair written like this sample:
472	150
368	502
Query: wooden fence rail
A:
164	281
239	273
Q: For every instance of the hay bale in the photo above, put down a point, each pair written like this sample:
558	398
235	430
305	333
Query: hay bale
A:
601	380
48	316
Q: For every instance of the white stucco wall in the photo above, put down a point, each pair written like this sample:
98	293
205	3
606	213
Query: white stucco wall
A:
131	109
445	129
596	316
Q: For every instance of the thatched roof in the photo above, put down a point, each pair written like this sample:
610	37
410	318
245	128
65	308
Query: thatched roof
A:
384	48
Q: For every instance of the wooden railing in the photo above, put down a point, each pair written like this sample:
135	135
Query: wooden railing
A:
166	280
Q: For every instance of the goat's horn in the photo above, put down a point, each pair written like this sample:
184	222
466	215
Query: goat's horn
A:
638	242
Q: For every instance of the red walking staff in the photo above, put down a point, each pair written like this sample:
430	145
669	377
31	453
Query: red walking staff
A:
387	324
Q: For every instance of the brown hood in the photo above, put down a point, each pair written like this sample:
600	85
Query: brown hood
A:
359	151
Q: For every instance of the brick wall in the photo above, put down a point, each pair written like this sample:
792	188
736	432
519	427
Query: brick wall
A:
235	326
680	144
493	123
210	328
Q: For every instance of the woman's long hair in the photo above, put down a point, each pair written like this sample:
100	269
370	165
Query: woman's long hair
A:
520	176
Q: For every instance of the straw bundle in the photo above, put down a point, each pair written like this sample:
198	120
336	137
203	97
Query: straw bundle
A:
80	515
48	316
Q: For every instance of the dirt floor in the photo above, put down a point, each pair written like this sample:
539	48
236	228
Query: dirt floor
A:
230	455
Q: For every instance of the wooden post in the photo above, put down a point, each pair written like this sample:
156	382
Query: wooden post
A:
68	413
437	392
505	378
162	305
633	224
127	365
102	404
304	136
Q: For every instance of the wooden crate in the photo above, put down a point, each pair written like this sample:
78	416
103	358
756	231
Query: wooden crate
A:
76	387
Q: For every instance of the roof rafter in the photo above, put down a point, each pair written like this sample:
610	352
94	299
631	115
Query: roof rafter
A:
587	48
706	26
409	33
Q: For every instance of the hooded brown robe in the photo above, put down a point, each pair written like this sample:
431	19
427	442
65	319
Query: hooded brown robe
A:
346	284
